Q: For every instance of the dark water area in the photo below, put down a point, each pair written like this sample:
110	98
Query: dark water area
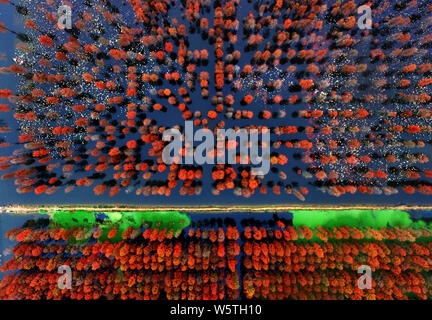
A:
84	195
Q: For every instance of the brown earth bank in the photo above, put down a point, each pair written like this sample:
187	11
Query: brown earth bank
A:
26	209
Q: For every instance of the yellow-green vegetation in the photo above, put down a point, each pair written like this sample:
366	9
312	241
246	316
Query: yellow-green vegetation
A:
173	221
354	218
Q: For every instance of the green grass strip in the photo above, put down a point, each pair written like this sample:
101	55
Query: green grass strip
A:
354	218
173	221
